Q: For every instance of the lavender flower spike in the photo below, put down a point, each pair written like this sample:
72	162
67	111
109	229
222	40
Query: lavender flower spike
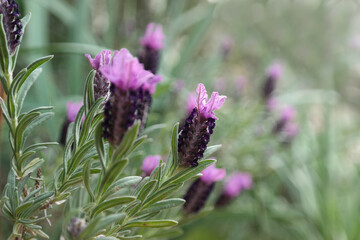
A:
288	114
131	94
154	37
152	43
200	190
12	23
234	186
150	163
195	133
101	84
274	73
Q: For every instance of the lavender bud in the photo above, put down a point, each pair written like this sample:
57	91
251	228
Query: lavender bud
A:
274	73
12	23
76	226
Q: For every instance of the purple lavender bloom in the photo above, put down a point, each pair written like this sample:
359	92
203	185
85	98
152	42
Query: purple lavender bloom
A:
150	163
200	190
212	174
290	131
195	133
152	43
72	109
101	84
191	103
12	24
274	73
154	37
288	114
236	183
131	94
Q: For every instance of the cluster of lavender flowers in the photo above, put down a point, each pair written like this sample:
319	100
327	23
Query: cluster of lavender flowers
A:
285	125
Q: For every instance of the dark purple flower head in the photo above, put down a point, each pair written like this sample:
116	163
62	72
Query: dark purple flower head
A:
12	23
154	37
150	163
200	190
195	133
131	94
288	114
101	84
275	70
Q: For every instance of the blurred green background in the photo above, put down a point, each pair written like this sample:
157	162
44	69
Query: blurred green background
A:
306	190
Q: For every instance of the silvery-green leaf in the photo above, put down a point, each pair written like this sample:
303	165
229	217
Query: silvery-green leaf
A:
153	223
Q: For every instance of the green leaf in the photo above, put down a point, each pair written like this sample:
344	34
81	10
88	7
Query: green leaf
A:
210	150
106	238
131	237
26	87
161	194
86	179
146	189
89	91
164	204
121	183
127	142
22	207
189	173
153	223
77	126
37	121
112	203
5	112
79	155
32	166
39	146
113	172
30	68
173	161
5	55
98	224
99	144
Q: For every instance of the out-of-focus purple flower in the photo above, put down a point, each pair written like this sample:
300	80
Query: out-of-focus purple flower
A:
76	226
240	84
191	103
154	37
102	59
227	44
272	104
101	84
195	133
237	183
220	84
12	23
274	72
288	114
150	163
152	42
206	107
212	174
72	109
200	190
131	94
290	131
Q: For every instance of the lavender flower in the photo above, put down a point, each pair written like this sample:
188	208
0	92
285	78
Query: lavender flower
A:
152	42
101	84
288	114
274	73
195	134
191	103
289	132
236	183
131	94
72	109
200	190
12	23
150	163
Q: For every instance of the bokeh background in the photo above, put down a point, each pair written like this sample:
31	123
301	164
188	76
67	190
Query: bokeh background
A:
308	189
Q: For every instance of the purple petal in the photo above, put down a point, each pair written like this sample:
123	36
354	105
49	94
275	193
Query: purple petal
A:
154	37
72	109
102	59
237	183
150	163
212	174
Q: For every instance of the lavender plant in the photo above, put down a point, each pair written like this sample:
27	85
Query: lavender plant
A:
102	135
